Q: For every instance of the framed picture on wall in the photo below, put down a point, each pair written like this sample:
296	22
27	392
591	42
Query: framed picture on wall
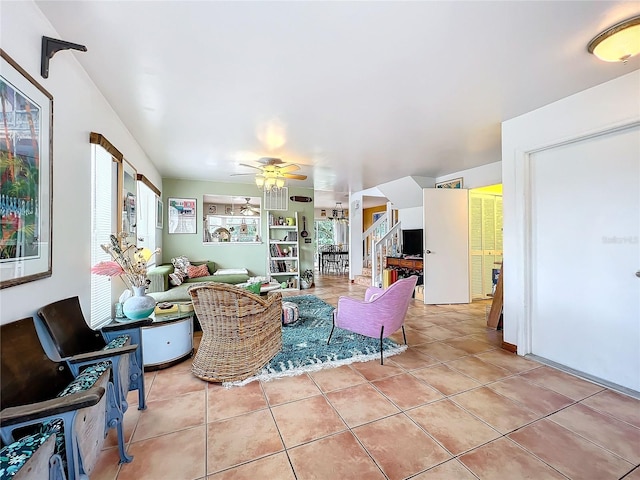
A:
25	145
377	215
455	183
181	215
159	213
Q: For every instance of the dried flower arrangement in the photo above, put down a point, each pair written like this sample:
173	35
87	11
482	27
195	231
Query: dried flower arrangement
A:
129	261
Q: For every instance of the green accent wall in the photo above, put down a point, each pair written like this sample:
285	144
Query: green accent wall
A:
253	257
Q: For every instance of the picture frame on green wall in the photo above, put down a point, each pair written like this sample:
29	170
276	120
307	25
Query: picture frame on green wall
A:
26	176
181	215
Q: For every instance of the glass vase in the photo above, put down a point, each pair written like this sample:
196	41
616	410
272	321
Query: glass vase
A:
140	305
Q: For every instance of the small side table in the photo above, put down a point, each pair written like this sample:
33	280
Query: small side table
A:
168	340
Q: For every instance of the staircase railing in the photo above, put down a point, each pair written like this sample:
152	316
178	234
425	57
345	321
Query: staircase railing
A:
389	245
371	235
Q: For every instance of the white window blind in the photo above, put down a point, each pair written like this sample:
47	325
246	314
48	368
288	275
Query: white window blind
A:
146	217
102	167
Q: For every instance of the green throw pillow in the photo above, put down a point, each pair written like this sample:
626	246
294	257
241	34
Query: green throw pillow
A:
253	288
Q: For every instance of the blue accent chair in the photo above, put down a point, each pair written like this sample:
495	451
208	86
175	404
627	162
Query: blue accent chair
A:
42	396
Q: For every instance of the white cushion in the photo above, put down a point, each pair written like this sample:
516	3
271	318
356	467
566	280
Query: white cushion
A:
231	271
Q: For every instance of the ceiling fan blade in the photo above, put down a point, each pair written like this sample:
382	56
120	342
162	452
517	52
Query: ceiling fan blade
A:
240	174
250	166
292	167
294	176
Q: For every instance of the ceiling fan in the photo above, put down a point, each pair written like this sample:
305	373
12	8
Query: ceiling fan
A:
270	167
247	209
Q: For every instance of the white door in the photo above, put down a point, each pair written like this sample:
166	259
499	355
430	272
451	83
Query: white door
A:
446	246
585	247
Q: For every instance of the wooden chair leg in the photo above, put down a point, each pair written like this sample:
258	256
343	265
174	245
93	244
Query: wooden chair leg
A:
404	335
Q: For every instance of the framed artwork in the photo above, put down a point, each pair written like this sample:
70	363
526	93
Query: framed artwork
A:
159	213
455	183
25	176
377	215
181	215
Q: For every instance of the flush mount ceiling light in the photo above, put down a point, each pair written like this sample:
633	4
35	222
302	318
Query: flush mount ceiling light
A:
617	43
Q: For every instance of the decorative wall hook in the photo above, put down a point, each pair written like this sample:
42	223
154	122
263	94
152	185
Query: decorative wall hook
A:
49	47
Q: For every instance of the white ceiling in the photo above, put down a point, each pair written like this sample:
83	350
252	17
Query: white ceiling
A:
356	93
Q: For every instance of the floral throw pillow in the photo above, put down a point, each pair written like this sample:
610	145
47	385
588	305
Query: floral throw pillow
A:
199	271
181	264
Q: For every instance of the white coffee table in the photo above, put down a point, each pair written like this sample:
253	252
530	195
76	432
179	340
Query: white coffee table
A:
264	289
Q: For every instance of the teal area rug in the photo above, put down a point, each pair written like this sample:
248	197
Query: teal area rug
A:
305	349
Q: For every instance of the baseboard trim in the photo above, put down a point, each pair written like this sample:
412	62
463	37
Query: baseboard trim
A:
510	347
586	376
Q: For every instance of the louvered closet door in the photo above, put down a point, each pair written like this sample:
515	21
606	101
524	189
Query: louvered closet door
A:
475	244
485	240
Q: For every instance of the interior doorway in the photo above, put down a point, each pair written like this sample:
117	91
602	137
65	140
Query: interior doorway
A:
329	232
485	239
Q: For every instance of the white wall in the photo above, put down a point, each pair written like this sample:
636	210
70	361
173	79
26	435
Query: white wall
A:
599	109
79	108
356	250
490	174
411	218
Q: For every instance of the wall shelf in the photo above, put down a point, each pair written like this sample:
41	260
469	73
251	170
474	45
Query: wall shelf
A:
283	261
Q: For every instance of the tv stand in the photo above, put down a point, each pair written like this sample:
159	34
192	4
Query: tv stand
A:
397	262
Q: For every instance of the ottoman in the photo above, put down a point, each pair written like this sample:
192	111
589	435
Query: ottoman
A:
290	313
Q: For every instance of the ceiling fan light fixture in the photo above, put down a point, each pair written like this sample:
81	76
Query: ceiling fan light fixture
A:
273	173
619	42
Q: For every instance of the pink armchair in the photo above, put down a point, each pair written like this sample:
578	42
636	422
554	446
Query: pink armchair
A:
380	314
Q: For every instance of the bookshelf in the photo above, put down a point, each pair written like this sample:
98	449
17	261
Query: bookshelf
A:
283	261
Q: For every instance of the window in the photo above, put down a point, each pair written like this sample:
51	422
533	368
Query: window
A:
146	217
103	174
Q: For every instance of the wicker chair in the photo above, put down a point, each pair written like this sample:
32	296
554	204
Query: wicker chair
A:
241	331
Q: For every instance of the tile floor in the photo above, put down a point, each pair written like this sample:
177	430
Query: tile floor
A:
453	406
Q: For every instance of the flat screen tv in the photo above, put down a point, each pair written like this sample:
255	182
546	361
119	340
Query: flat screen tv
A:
412	242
